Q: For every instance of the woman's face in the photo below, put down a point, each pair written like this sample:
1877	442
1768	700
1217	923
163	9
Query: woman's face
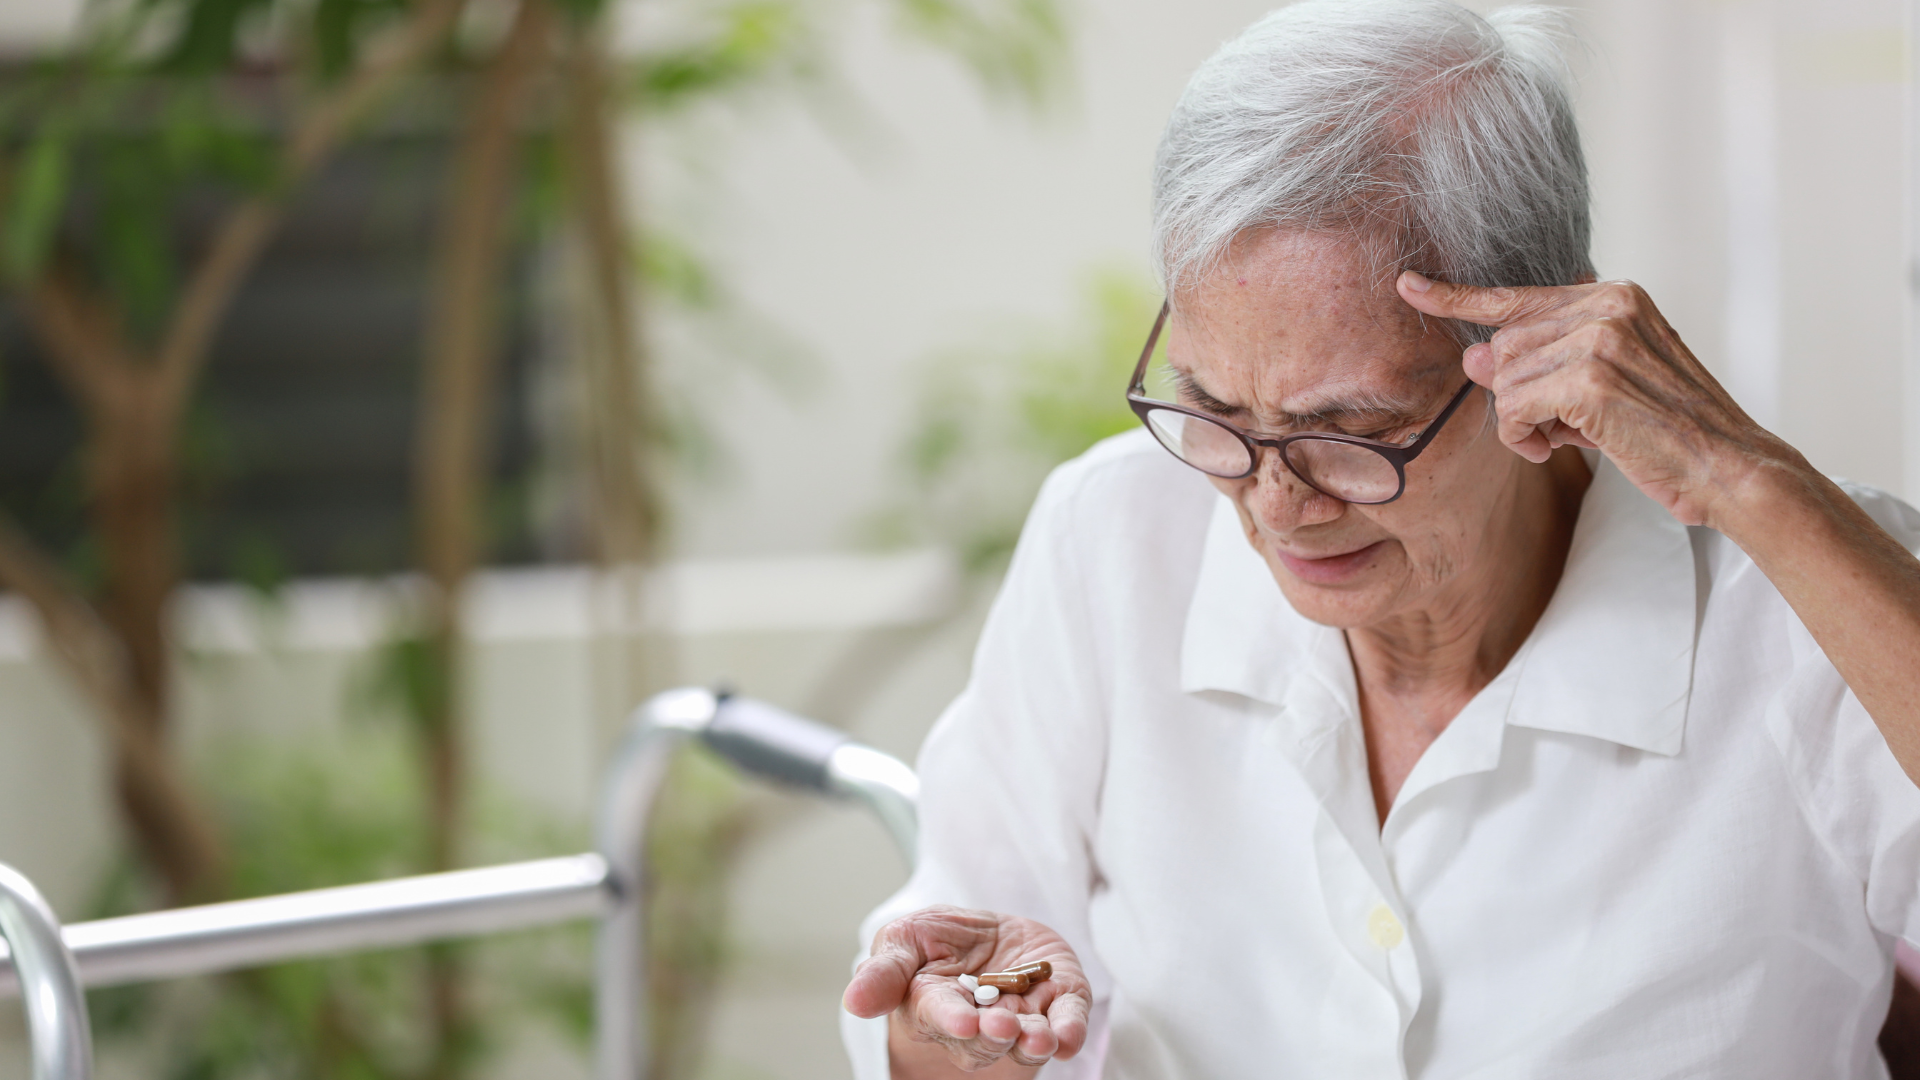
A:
1300	332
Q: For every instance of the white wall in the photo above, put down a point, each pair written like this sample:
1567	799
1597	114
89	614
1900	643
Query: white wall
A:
925	216
1679	104
966	215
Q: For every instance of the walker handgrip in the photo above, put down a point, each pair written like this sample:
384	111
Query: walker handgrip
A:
773	743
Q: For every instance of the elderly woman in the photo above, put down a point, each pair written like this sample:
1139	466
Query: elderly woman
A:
1372	725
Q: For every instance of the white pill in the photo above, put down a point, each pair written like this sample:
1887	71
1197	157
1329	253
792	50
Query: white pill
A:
970	983
986	995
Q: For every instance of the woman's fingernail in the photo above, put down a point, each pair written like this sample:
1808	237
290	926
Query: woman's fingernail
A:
1416	281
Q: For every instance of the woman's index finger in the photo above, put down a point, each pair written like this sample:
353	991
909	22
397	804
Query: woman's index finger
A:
1497	306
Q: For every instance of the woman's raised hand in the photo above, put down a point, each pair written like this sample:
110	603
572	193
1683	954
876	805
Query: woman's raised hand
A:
1596	365
914	974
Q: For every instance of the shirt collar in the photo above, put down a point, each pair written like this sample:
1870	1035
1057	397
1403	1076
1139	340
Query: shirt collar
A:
1611	657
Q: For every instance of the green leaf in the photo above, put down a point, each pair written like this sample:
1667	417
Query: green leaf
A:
409	678
39	199
671	267
209	34
137	259
243	158
333	36
754	42
1017	48
992	419
544	187
260	564
339	29
1071	397
582	11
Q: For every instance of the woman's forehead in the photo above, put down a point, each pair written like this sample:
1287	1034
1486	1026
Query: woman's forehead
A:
1309	318
1292	283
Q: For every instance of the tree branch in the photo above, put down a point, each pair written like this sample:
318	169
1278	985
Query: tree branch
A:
181	839
621	428
463	314
460	351
238	241
85	346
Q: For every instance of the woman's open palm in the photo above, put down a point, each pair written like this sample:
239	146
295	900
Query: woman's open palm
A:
914	974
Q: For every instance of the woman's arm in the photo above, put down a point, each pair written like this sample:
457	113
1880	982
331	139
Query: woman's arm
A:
1597	365
1855	587
1009	796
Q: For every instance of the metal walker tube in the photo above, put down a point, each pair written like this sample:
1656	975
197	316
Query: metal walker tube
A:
626	802
755	737
56	1007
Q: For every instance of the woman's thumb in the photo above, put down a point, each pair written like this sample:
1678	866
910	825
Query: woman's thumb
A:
880	982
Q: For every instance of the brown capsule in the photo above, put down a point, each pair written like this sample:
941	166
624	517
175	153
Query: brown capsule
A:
1012	982
1038	971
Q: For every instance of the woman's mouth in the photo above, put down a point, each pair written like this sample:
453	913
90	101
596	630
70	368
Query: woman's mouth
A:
1329	569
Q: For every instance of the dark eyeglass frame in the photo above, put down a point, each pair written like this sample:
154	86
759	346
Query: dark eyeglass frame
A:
1397	455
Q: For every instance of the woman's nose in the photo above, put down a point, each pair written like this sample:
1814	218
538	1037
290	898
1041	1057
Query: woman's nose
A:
1281	501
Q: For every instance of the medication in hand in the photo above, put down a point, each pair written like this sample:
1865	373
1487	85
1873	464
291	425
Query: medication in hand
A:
1018	979
1014	981
982	995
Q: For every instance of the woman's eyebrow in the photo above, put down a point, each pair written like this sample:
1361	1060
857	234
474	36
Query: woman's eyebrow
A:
1191	389
1355	404
1369	405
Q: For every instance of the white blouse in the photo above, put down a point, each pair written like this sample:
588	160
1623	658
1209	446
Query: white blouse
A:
1666	841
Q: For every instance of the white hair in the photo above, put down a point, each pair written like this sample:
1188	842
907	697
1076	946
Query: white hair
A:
1444	140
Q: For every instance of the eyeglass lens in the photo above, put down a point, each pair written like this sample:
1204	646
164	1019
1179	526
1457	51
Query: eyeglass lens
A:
1342	470
1207	447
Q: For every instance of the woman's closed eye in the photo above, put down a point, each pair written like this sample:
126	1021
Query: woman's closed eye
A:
1395	435
1192	395
1398	431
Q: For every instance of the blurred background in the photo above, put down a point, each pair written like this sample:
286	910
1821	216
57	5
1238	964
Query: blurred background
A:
681	341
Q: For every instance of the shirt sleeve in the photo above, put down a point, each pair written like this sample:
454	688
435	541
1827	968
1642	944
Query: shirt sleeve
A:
1011	772
1857	797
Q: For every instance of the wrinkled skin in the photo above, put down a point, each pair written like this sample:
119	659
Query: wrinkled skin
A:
1437	590
913	973
1598	366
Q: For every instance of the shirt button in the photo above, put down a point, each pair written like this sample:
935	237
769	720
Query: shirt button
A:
1384	928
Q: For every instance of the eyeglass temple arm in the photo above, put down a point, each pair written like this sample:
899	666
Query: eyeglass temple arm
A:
1439	422
1139	381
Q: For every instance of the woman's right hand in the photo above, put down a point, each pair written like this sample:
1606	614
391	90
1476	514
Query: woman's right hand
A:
914	973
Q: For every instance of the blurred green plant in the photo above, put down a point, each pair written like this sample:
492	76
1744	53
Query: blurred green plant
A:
143	171
332	811
993	419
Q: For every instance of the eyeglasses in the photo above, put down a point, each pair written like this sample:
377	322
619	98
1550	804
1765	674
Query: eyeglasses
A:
1349	468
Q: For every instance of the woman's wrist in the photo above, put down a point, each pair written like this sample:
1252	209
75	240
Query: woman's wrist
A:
1764	492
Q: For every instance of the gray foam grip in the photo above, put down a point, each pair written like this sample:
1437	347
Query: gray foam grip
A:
773	743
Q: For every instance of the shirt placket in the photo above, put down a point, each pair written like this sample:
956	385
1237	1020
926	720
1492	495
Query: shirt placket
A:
1364	909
